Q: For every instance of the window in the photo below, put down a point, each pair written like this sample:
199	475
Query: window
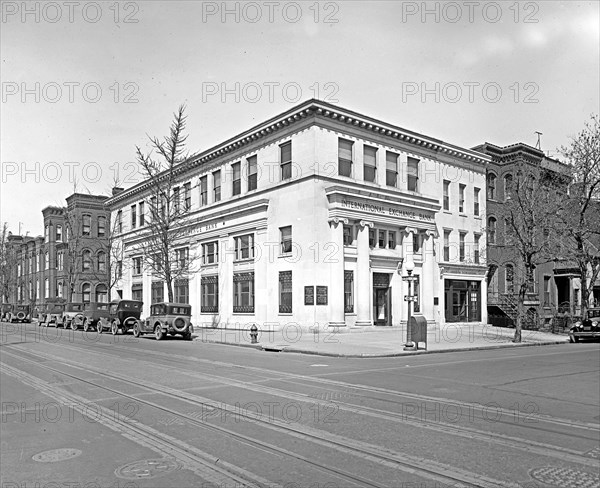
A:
461	198
182	256
101	293
416	243
204	191
371	237
461	246
102	261
46	260
120	221
181	291
209	302
417	294
391	170
176	199
476	250
46	288
510	278
137	292
244	247
348	237
86	229
285	234
46	233
217	186
546	291
59	233
285	152
413	174
491	186
154	209
285	292
243	292
86	293
476	201
137	265
237	179
345	157
348	291
447	245
119	270
491	230
508	233
370	163
59	289
141	208
446	195
381	239
391	239
508	186
60	261
210	252
187	197
86	264
252	173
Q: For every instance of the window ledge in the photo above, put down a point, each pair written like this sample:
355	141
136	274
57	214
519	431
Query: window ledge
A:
243	261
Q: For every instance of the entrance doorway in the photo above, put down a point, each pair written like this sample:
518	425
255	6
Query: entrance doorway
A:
382	303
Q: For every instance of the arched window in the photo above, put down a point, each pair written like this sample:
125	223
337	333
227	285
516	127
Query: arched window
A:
59	233
491	230
46	260
101	293
86	262
510	278
101	226
491	186
86	227
85	292
101	261
59	289
508	186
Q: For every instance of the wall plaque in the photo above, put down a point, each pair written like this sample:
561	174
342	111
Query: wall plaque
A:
309	295
321	295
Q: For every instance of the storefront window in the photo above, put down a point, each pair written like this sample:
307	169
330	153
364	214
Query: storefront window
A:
463	301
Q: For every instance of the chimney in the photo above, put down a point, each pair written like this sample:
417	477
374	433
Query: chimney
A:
116	190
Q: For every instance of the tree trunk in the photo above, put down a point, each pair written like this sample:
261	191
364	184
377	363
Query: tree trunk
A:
520	308
585	292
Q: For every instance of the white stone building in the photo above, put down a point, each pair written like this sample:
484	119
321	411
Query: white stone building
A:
311	218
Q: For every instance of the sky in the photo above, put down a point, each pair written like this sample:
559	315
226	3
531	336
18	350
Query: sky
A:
84	83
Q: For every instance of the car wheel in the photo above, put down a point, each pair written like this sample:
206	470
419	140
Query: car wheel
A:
114	328
158	333
99	327
136	330
573	338
86	326
187	336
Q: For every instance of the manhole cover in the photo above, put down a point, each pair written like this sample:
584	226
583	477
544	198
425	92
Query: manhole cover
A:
146	469
56	455
565	477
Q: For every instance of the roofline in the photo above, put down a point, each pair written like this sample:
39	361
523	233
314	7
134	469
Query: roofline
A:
312	108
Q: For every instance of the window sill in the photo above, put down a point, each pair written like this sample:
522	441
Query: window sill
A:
462	215
243	261
448	212
285	314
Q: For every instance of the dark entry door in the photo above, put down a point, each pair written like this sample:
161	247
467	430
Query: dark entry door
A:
382	306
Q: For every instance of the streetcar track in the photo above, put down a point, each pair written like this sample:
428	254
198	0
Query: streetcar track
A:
530	446
410	464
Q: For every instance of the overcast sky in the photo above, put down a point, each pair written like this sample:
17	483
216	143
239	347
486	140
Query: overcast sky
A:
83	83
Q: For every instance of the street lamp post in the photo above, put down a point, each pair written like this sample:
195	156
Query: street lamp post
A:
410	266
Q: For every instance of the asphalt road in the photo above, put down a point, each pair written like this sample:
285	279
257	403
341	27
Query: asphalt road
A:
83	410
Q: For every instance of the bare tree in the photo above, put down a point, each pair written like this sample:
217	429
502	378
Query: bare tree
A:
73	259
163	244
529	214
8	265
580	214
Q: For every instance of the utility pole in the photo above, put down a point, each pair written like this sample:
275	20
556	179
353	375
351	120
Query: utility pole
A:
538	144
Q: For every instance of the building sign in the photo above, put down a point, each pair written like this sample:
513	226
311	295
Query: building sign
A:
309	295
321	295
386	210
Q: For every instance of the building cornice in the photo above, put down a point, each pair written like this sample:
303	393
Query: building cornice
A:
314	109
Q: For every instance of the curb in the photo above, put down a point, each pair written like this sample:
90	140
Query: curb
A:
285	349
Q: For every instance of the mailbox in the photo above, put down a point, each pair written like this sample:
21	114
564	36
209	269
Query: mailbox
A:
418	330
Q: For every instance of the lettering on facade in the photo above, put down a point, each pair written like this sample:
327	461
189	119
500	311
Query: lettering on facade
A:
383	210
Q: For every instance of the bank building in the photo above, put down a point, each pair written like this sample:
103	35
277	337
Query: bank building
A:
314	217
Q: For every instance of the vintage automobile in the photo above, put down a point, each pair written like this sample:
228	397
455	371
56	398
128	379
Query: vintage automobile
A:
72	315
94	313
123	315
51	313
588	328
167	318
21	313
5	311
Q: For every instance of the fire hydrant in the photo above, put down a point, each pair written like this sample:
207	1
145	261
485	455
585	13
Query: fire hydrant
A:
254	334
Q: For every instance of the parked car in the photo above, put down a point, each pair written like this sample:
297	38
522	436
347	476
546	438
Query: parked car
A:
5	311
20	313
51	313
94	313
588	328
72	315
167	318
123	315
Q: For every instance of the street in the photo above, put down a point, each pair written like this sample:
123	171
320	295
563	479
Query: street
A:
87	410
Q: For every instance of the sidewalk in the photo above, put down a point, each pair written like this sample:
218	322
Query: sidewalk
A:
376	341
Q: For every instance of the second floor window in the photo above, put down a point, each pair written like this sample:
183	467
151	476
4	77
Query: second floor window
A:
461	198
446	195
476	201
177	199
217	186
491	230
370	163
446	245
244	247
285	153
348	237
86	261
119	223
285	234
137	265
237	179
101	226
101	261
476	249
461	246
391	171
86	228
187	196
491	186
413	174
252	173
133	216
142	214
345	157
210	252
204	191
182	256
